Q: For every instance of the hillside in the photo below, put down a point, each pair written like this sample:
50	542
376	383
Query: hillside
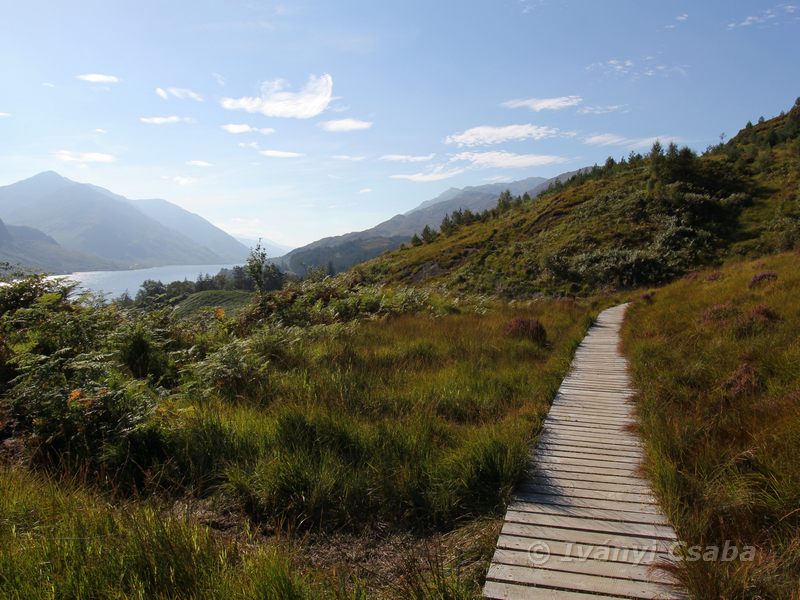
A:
89	220
37	251
642	221
344	251
194	227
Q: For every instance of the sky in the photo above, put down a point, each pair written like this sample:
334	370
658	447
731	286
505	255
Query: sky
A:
298	120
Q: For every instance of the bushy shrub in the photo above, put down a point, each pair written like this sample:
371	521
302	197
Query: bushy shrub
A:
528	329
761	278
76	409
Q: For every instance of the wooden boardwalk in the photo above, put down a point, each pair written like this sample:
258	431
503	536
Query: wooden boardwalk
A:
584	523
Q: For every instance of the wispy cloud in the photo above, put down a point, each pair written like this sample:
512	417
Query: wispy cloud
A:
605	139
47	84
436	174
603	110
365	191
83	157
251	145
341	125
199	163
237	128
629	68
683	17
4	114
540	104
219	79
408	158
275	101
348	157
487	134
182	180
101	131
507	160
281	154
168	120
612	139
98	78
180	93
770	16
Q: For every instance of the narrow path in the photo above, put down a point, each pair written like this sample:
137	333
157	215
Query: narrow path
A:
584	523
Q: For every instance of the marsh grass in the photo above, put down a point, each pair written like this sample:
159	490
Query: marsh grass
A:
321	411
717	360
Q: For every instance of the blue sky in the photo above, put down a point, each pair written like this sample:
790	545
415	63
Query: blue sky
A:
299	120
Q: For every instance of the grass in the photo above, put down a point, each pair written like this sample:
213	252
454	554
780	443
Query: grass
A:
231	301
716	356
390	413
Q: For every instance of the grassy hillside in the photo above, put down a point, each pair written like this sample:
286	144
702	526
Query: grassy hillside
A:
230	301
641	221
717	360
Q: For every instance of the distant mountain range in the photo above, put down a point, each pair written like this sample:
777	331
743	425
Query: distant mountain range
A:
346	250
57	225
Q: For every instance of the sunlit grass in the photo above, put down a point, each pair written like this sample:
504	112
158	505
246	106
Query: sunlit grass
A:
717	359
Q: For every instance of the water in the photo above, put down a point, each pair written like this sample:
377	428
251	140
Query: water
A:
114	283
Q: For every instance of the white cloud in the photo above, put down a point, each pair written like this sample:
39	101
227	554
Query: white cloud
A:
281	154
407	158
4	114
605	139
181	180
773	16
83	157
539	104
340	125
628	68
612	139
274	101
436	174
199	163
98	78
486	134
252	145
507	160
180	93
47	84
164	120
682	17
347	157
244	128
100	130
365	191
602	110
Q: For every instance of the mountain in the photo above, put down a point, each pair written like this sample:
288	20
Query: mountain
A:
194	227
33	250
103	228
272	248
349	249
638	222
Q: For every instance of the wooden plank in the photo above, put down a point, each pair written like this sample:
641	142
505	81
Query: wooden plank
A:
500	590
587	513
662	532
575	501
587	492
572	562
589	551
580	582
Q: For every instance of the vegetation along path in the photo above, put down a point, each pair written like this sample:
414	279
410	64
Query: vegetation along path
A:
584	521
